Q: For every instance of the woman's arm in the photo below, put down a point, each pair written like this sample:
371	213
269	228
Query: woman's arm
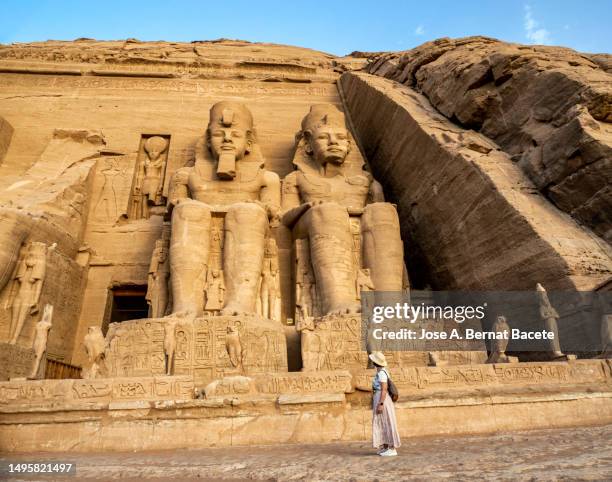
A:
383	395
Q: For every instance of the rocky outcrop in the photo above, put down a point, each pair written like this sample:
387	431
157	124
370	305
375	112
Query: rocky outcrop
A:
548	108
6	132
211	59
478	221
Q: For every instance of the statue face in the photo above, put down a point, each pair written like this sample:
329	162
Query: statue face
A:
228	140
329	143
154	155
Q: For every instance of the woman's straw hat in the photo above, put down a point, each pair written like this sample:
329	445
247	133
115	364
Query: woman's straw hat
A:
378	358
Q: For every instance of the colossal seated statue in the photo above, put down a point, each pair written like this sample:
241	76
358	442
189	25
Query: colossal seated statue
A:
228	183
338	217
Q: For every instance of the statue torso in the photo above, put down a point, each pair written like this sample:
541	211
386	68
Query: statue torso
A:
348	191
206	187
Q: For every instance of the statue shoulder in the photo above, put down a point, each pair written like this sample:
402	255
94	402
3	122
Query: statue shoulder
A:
291	178
271	177
290	182
181	176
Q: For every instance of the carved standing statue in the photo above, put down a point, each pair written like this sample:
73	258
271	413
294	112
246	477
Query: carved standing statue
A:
27	287
549	316
157	285
500	344
170	344
319	197
41	335
305	295
153	169
215	290
95	347
149	177
312	356
364	282
228	178
269	289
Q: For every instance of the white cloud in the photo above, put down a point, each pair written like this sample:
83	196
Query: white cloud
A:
420	30
532	32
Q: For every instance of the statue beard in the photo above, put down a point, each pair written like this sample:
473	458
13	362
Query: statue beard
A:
226	165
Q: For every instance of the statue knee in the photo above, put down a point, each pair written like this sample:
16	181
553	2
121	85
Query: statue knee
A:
190	210
329	214
380	214
246	214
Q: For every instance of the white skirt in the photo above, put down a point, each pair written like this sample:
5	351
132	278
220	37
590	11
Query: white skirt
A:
384	425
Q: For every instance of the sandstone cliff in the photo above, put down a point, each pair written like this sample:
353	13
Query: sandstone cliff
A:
549	108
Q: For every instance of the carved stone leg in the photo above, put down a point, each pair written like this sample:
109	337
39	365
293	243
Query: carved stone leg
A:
331	247
243	252
383	251
19	314
189	248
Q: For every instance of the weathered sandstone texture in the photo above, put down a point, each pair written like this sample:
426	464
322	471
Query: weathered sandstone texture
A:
6	132
157	412
548	108
193	229
478	220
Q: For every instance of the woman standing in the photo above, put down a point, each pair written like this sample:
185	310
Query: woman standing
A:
385	436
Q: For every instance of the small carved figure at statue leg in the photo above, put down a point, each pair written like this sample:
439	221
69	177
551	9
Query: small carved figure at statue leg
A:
41	336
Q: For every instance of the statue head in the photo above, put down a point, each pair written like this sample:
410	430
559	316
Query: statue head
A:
36	251
155	147
325	134
230	130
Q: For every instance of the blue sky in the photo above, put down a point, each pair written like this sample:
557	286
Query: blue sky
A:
337	27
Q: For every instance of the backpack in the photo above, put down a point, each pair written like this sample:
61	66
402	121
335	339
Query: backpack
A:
391	388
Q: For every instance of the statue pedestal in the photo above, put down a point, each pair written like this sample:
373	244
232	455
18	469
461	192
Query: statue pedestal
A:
337	342
202	347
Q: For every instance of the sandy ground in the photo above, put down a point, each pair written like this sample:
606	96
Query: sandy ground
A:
568	454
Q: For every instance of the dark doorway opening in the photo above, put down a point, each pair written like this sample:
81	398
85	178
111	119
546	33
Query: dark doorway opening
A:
128	303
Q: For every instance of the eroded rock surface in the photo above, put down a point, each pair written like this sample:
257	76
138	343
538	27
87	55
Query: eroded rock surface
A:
477	219
549	108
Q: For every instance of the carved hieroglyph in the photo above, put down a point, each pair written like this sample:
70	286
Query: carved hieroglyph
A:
41	335
228	179
324	201
207	348
27	286
51	392
16	361
148	184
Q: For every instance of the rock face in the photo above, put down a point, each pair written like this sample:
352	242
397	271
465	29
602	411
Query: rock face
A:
548	108
462	200
203	223
478	221
6	132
